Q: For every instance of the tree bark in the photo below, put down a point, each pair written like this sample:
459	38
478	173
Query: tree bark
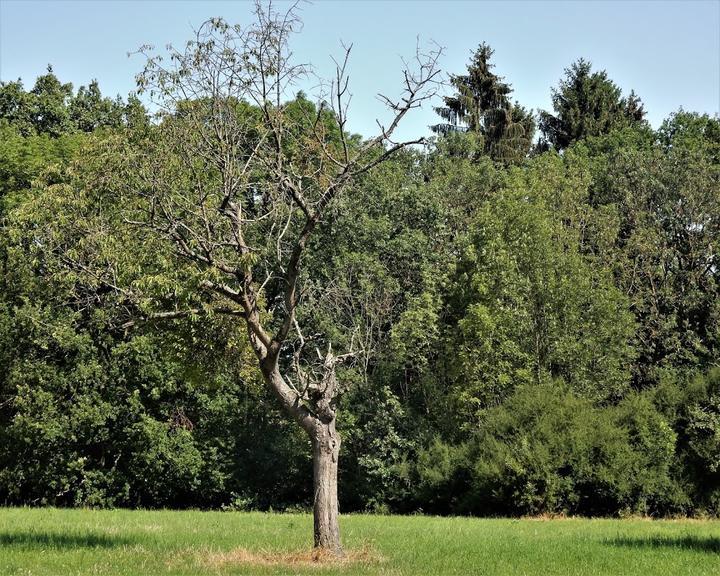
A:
326	449
325	439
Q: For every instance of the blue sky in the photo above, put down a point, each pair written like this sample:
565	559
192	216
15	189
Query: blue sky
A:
667	51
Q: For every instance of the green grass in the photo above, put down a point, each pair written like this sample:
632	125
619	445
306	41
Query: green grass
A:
145	543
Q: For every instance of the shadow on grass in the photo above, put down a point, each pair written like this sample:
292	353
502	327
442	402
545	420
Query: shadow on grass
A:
710	544
59	540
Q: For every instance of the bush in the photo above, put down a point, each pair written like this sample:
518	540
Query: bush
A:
548	451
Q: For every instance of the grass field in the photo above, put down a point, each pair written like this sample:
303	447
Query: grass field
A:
143	543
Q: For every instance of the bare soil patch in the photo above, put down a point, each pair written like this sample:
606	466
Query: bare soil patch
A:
305	558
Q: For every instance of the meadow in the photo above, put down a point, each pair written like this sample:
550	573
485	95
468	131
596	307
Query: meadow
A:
51	541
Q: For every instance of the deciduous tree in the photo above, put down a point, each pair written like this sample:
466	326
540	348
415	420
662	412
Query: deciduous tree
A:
237	179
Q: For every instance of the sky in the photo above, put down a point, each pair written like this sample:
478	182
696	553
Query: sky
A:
667	51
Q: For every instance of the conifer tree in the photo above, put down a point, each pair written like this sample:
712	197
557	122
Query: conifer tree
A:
587	103
482	105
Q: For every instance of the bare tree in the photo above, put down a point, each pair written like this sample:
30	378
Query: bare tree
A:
239	177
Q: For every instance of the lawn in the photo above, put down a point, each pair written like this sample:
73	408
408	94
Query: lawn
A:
145	543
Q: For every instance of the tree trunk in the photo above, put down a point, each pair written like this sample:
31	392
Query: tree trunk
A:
320	426
326	449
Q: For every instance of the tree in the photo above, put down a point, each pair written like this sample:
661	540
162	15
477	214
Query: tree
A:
50	109
663	248
482	105
237	179
15	106
527	306
89	110
587	104
43	110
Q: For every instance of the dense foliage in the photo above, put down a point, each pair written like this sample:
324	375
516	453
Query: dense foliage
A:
541	332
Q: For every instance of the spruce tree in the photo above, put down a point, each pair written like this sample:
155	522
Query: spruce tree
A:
482	105
587	103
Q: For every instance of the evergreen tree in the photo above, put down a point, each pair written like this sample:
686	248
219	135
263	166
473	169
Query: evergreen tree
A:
586	104
482	105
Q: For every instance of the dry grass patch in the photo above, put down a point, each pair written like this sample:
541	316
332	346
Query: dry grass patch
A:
306	558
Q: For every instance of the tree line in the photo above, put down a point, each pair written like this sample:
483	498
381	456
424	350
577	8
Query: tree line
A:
533	319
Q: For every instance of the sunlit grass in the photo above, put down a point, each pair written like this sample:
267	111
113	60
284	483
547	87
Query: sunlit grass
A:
145	543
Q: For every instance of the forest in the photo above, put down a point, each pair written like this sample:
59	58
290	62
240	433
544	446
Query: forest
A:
524	307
